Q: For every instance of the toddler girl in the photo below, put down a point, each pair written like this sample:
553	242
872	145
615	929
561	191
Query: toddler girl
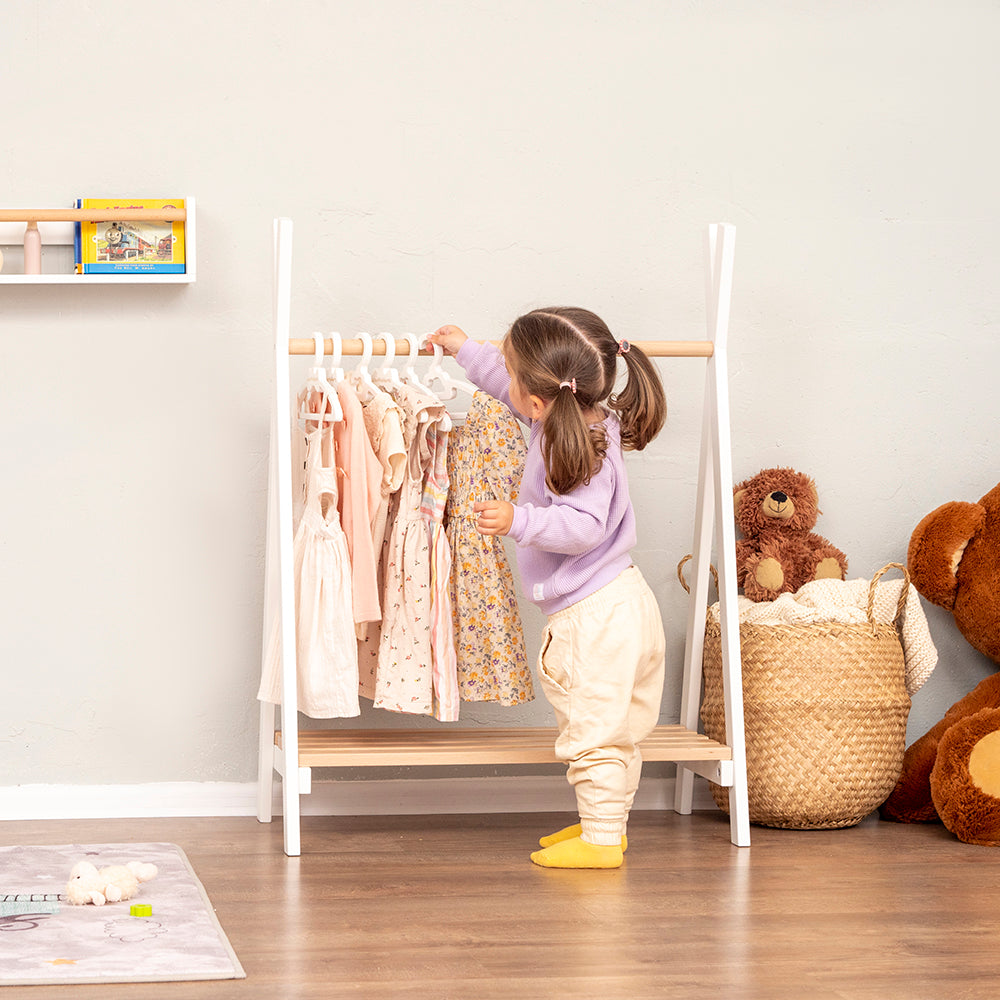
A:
602	656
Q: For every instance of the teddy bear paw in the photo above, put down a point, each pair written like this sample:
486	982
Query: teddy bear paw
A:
965	781
769	574
764	579
828	569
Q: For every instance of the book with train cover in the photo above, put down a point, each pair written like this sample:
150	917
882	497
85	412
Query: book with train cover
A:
124	247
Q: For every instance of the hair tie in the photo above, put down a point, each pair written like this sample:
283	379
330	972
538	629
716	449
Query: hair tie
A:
571	384
624	347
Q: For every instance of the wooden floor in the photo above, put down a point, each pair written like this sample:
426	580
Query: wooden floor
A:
436	907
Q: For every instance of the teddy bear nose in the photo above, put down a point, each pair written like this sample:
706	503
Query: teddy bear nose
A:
779	496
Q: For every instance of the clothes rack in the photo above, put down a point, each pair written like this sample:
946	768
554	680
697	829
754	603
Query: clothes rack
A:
293	754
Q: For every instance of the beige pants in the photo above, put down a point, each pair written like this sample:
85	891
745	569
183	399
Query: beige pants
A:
601	668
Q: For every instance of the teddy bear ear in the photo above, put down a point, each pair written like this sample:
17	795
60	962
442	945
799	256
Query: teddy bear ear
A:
737	500
936	548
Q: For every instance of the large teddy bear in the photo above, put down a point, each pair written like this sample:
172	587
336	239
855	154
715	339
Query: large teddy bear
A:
776	511
953	771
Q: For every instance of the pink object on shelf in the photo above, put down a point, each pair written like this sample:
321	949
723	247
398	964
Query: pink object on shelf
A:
32	249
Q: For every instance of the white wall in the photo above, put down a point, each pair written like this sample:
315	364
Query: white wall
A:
457	162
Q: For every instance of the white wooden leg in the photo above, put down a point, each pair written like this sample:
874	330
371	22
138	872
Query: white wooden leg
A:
265	763
265	736
285	569
694	641
721	244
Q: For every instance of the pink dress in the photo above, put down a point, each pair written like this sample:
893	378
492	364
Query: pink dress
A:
360	495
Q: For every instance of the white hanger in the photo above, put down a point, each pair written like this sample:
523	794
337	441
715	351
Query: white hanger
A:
329	411
336	362
361	373
410	375
409	372
450	386
386	372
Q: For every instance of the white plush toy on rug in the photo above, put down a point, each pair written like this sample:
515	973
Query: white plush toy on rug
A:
87	884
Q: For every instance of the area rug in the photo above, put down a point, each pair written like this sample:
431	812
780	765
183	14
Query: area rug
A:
45	940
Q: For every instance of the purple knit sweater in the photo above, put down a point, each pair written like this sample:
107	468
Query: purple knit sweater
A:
568	546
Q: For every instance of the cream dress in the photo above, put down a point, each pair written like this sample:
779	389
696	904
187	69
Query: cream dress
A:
404	676
326	654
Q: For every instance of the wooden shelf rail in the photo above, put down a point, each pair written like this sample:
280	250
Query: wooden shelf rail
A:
93	214
495	745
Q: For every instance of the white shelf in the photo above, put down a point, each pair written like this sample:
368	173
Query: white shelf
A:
96	279
58	235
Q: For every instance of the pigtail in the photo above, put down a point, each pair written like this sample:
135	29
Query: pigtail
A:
642	404
572	451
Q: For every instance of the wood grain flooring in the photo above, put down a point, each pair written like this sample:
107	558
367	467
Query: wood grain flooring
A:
450	908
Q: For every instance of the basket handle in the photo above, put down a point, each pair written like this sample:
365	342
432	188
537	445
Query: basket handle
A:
903	593
680	573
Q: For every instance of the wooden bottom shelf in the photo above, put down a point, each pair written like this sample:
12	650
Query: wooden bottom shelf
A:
425	747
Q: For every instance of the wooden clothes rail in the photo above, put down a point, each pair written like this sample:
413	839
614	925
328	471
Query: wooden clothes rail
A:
93	214
293	754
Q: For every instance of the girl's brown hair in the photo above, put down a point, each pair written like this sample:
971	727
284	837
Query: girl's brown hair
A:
569	356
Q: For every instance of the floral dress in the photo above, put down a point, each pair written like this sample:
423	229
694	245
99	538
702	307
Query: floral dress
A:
404	675
485	462
432	506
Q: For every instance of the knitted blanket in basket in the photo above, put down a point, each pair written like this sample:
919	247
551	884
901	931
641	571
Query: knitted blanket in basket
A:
847	601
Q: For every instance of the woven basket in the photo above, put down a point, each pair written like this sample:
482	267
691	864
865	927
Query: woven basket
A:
825	708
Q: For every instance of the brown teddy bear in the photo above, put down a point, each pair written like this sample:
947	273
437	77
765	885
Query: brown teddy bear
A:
776	511
952	773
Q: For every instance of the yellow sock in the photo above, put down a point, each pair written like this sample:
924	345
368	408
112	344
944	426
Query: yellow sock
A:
577	853
567	833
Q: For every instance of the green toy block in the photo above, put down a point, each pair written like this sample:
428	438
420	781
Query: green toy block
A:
141	910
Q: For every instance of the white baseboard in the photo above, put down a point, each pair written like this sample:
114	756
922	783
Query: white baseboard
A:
416	796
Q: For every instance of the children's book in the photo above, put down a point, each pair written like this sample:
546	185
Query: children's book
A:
122	247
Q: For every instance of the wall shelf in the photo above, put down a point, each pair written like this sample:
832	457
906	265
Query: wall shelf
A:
57	228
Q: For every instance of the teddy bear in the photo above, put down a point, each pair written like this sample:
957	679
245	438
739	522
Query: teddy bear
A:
775	511
952	772
88	884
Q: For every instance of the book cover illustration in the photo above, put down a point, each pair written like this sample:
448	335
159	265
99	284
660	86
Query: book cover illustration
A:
124	247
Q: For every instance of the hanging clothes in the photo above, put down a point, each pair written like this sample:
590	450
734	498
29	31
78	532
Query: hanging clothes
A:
359	496
485	462
404	675
432	506
385	424
327	674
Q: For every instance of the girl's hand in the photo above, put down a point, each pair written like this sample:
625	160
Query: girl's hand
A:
450	338
495	517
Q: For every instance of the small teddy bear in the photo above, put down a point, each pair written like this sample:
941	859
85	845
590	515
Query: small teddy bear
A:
112	884
778	553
